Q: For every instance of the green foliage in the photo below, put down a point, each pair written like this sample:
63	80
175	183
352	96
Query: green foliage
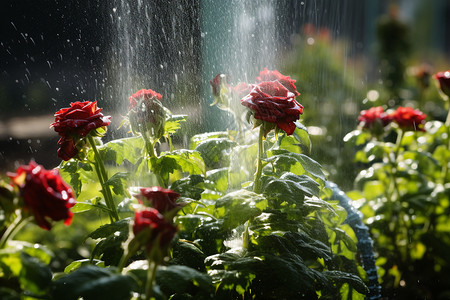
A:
282	242
403	192
92	282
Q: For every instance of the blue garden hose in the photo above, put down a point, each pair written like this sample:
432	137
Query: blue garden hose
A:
365	243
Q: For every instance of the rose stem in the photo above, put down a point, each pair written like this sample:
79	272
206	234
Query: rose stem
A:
151	152
12	230
151	274
103	177
445	165
257	181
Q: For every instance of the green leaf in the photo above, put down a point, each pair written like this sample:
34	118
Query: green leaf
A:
339	278
189	187
289	187
237	207
296	163
82	206
188	161
179	279
83	263
34	276
117	182
109	248
198	138
188	254
217	179
298	243
298	142
215	152
93	283
118	150
172	123
357	137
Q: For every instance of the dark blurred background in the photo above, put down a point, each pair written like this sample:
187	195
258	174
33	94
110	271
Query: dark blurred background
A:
56	52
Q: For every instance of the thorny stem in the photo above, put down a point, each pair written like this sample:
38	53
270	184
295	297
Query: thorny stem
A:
395	197
152	156
257	179
151	274
445	164
12	230
103	177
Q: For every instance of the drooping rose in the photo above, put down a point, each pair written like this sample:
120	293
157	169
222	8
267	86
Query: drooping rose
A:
160	231
163	200
45	194
374	119
76	122
288	83
272	102
409	119
146	113
444	81
216	84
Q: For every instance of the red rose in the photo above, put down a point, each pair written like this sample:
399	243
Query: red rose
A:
444	81
163	200
44	193
216	84
374	117
409	119
74	123
146	113
161	230
288	83
143	95
274	103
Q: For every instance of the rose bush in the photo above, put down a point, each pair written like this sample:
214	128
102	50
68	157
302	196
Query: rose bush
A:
74	123
45	194
235	228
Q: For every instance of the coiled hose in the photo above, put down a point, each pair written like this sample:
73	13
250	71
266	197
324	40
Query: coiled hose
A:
365	243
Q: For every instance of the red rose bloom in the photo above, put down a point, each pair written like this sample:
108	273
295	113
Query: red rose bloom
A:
161	230
374	116
74	123
143	95
444	81
288	83
409	119
216	84
163	200
146	113
274	103
44	193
